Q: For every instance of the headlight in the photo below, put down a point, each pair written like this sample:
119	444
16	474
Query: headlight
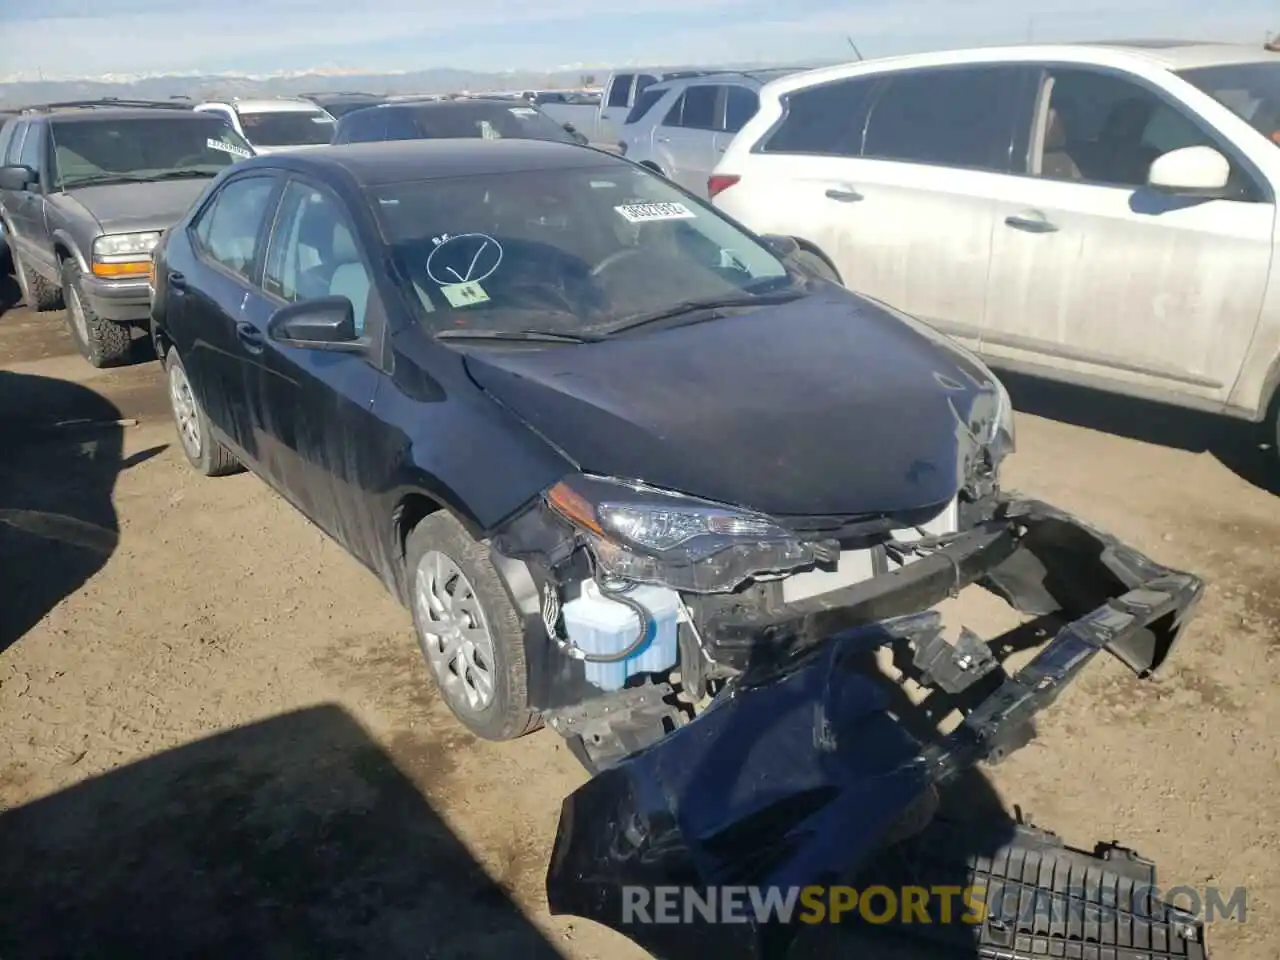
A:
124	254
652	536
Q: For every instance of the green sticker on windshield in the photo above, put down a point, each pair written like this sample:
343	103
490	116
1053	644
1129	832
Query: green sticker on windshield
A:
464	294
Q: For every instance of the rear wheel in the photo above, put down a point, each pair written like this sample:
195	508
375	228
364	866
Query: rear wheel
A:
204	452
103	343
37	292
468	630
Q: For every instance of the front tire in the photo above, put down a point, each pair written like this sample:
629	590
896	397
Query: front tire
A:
37	293
209	457
103	343
468	630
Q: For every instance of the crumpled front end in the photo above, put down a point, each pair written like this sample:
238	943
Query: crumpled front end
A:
800	772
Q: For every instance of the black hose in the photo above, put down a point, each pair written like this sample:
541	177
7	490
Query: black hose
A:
647	625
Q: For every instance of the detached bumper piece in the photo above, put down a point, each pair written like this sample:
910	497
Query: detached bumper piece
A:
803	771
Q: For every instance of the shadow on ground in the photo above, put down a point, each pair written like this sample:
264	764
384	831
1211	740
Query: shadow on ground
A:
293	837
10	294
1243	448
61	449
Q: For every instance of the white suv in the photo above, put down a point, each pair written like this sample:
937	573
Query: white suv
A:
282	123
1103	214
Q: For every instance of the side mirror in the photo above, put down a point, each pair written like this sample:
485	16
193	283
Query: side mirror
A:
326	323
18	178
1190	172
781	246
570	129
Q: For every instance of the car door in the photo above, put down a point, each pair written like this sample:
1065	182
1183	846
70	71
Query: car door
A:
25	208
224	345
1097	276
614	106
684	141
316	429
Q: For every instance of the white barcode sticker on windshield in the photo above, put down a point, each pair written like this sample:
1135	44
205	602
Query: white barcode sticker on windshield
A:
648	212
235	151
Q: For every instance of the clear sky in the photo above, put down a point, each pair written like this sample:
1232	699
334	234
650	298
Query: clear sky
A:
85	38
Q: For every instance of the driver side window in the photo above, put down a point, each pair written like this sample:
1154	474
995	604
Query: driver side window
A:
313	252
1105	129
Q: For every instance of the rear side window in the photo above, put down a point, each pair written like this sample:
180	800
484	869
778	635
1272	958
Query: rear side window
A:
620	90
957	117
644	103
823	121
6	135
696	109
740	105
228	229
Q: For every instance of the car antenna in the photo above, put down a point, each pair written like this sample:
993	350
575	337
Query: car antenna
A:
849	40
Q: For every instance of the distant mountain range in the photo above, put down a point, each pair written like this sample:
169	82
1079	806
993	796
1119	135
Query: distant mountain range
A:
214	86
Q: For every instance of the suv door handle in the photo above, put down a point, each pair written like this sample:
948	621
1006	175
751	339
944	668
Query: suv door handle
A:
177	280
1031	222
844	194
250	336
663	139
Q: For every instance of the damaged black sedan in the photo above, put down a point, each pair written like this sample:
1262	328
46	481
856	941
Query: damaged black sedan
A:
642	476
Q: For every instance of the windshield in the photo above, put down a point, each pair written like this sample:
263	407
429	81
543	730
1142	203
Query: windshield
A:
1249	90
146	148
492	121
286	128
569	251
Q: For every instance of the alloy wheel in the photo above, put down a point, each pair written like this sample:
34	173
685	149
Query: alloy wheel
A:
455	633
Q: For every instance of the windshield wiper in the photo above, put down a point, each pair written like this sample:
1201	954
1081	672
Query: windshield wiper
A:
182	174
707	303
102	178
529	336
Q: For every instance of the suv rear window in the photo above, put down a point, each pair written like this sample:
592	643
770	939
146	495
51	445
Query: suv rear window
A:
644	103
292	128
143	149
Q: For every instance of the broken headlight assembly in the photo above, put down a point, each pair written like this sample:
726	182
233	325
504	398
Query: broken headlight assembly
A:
646	535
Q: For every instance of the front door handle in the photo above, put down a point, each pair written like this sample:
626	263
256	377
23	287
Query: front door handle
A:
1031	223
663	139
843	195
250	336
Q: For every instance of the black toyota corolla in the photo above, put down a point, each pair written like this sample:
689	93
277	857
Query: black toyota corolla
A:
643	476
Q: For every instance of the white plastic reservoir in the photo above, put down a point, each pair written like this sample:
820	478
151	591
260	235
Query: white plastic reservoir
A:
598	625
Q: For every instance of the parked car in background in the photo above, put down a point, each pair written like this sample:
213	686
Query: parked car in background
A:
337	105
283	123
1101	214
488	118
86	190
485	369
681	127
622	88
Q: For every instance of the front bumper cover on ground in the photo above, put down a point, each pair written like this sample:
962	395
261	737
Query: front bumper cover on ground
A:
802	771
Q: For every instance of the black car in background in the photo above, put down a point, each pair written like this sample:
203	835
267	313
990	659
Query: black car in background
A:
468	118
338	105
641	476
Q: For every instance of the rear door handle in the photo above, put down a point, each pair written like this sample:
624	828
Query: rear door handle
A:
664	139
1031	223
250	336
177	280
844	194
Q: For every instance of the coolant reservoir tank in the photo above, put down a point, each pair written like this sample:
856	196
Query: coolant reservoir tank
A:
597	624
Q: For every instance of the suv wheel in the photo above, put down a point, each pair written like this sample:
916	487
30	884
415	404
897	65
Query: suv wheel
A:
205	453
102	342
468	630
37	292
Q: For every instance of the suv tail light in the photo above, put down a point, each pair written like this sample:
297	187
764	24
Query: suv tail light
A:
718	183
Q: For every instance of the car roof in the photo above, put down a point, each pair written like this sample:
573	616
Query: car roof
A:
407	161
119	113
1171	55
275	105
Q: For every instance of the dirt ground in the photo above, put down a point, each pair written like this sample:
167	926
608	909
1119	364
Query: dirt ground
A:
209	715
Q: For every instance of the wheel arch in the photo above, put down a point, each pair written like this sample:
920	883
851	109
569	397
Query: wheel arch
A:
65	248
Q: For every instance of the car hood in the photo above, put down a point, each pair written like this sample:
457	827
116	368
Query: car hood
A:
263	151
128	207
829	405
